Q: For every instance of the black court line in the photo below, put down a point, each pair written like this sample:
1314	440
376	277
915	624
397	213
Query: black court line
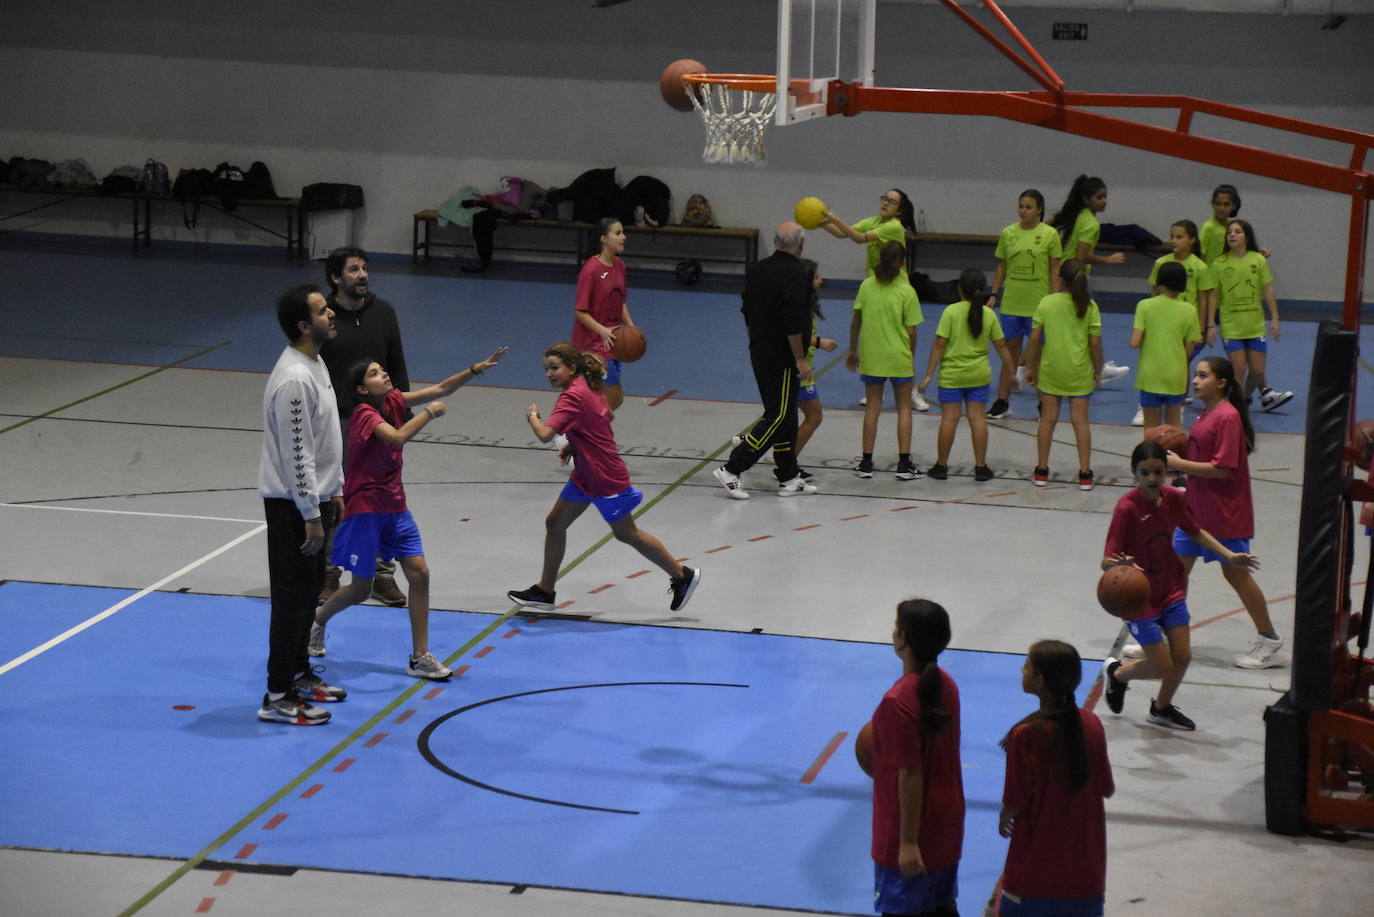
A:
428	753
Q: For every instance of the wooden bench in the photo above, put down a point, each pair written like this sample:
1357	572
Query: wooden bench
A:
582	244
142	204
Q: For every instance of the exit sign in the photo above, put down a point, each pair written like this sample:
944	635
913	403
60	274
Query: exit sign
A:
1070	31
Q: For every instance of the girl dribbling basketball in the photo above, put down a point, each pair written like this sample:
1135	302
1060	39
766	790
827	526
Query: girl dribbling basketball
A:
600	307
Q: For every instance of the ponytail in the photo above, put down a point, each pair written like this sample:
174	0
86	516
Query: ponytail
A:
1076	279
925	626
891	261
589	366
1083	188
1190	228
973	287
1061	668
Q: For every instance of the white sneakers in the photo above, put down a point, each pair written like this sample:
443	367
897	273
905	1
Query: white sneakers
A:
1111	371
1139	419
918	402
731	482
795	487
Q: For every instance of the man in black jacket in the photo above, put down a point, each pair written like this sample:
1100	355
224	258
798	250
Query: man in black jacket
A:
368	330
777	313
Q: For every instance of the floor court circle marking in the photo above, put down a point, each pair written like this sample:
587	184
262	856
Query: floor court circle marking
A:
428	753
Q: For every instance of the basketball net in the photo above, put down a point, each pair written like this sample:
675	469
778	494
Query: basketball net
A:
735	108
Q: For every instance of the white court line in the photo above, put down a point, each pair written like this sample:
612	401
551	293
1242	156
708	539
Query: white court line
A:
124	512
96	619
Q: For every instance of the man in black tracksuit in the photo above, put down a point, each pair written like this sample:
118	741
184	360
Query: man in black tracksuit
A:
778	315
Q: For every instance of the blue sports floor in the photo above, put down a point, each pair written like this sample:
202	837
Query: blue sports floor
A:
633	750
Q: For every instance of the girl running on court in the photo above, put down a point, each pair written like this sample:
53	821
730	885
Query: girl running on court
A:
1028	256
1243	280
1079	228
1064	360
882	345
1165	331
599	477
918	783
376	522
1142	533
1057	778
961	351
895	222
600	308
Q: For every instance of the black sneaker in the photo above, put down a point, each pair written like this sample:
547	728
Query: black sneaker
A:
907	471
291	709
1114	689
999	409
533	597
311	687
938	472
1170	716
682	587
982	473
864	469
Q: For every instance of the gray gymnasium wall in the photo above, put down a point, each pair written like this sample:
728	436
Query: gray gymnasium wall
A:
410	101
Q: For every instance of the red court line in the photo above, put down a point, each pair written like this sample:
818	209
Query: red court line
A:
802	528
1061	486
344	765
245	852
564	604
224	877
486	650
374	740
433	692
823	757
662	398
901	509
405	715
724	547
761	538
274	821
1005	493
513	632
205	905
461	669
640	573
594	592
850	518
312	791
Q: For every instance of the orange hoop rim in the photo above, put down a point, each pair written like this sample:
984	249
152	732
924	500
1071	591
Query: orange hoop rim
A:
756	82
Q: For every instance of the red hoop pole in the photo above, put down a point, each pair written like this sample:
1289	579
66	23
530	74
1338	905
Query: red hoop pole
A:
1354	264
1025	44
1053	85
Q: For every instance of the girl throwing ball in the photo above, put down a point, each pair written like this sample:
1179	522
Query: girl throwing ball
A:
599	477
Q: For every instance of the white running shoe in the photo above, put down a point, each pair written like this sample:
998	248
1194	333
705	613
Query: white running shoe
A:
1270	399
426	666
731	482
918	402
1021	385
1111	371
863	402
796	486
316	645
1261	654
1133	651
1139	419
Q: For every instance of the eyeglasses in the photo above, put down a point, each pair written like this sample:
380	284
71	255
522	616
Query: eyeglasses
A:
889	200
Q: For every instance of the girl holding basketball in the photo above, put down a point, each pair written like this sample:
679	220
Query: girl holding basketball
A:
1028	256
1142	533
882	346
961	351
1243	281
1064	360
599	477
1057	778
1165	331
599	306
918	784
895	222
1219	495
376	522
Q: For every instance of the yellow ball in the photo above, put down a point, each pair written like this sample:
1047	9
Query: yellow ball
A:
809	212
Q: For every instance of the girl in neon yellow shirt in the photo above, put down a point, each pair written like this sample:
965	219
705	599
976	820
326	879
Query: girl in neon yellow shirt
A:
1243	283
1028	255
1078	225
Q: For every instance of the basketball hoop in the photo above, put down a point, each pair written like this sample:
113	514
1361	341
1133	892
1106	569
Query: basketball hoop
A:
736	108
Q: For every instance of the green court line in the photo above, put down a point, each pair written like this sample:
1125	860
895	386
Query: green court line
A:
247	820
114	388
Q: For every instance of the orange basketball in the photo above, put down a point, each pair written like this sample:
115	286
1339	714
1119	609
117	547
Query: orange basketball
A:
670	83
863	748
629	344
1169	436
1123	591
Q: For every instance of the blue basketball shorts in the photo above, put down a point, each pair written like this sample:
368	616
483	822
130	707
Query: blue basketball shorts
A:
1014	326
612	372
361	539
1156	400
1187	547
1258	345
1148	631
611	508
978	393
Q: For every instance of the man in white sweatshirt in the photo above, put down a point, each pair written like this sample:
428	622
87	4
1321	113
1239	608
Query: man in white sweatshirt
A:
300	478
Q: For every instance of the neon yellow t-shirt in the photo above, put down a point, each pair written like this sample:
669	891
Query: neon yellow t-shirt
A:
1086	228
1066	362
887	310
1212	238
1027	253
1169	326
888	231
1240	295
1199	277
964	364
